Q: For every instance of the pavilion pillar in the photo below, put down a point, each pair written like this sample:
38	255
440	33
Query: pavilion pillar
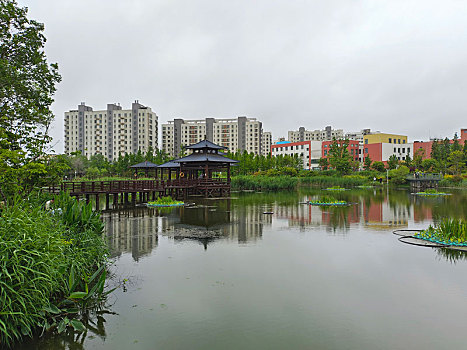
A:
228	172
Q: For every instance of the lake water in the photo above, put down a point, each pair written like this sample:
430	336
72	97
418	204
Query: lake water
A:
301	278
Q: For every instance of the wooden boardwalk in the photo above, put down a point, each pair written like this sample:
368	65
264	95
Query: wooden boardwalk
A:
132	191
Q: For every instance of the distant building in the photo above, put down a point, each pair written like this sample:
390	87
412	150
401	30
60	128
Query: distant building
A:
381	152
112	131
379	137
242	133
327	134
308	151
358	135
266	142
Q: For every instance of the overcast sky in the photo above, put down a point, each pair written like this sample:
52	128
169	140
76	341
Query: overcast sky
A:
393	66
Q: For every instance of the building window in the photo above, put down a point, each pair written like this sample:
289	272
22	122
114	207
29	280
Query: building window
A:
389	140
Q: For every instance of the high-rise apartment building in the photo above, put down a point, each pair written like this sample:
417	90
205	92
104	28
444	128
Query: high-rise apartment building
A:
112	131
266	143
327	134
242	133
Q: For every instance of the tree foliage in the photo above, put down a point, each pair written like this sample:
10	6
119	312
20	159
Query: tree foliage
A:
27	84
339	156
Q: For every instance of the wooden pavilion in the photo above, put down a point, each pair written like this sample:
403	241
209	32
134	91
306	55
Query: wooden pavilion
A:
146	166
204	161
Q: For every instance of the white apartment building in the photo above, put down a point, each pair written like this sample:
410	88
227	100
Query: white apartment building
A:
308	151
266	143
112	131
242	133
327	134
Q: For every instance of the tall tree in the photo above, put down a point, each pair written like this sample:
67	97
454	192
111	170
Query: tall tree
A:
367	163
27	84
339	156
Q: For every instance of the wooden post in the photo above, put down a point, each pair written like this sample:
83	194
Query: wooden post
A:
107	201
115	203
97	201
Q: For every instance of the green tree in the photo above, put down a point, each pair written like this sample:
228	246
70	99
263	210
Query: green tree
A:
456	161
323	163
27	84
399	175
418	158
378	166
393	162
339	156
367	163
429	165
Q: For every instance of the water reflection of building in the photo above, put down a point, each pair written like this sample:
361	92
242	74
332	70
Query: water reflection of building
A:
375	213
299	215
132	231
247	223
381	214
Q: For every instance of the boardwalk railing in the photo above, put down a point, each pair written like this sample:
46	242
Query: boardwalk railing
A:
424	177
131	186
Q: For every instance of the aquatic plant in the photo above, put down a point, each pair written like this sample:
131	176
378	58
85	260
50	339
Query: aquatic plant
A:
39	249
447	231
165	201
335	188
431	192
327	200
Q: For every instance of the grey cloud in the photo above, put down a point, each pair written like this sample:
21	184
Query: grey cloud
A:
396	66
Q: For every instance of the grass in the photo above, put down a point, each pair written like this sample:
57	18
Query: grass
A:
447	231
274	183
165	201
266	183
39	252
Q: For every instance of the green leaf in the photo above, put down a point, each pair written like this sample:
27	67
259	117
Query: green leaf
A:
96	273
52	309
71	310
61	326
77	295
77	325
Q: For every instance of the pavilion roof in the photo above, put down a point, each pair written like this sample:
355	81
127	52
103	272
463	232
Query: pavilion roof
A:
205	157
205	144
144	165
170	164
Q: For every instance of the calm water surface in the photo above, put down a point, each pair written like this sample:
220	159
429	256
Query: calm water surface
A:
302	278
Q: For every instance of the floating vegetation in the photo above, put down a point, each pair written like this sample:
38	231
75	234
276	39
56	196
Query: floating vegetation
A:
336	188
449	232
327	201
432	192
165	202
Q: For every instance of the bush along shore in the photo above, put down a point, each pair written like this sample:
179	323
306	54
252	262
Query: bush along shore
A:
284	182
52	267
